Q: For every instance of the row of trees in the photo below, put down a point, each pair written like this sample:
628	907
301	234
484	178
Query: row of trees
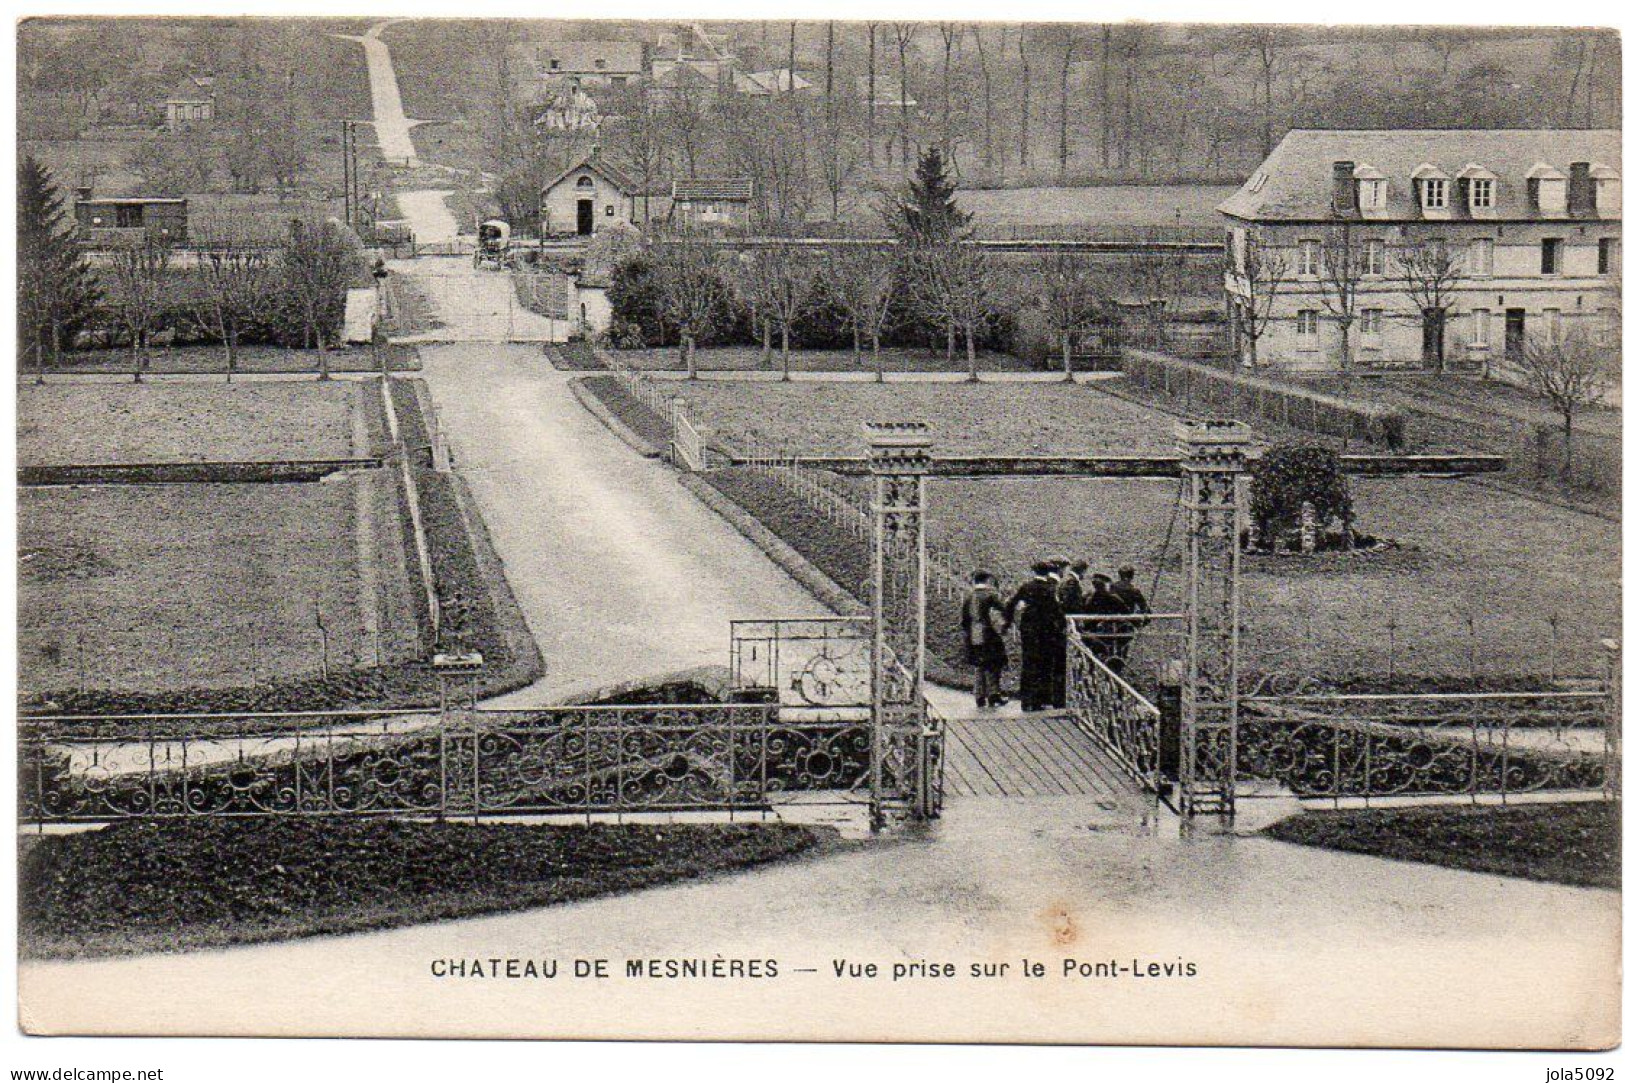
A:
233	288
932	278
1035	103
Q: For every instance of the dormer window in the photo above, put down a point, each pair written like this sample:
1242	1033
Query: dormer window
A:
1480	193
1548	189
1432	189
1373	187
1606	182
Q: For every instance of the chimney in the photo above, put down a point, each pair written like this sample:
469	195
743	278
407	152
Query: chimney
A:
1582	192
1345	191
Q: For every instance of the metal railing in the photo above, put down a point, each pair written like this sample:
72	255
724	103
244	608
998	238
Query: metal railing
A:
1127	724
470	763
1490	745
840	501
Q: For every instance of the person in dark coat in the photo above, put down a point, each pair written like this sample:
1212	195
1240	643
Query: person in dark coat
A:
1105	637
984	620
1134	603
1071	593
1036	611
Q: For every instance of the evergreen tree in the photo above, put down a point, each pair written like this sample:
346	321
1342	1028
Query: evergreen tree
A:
926	214
56	288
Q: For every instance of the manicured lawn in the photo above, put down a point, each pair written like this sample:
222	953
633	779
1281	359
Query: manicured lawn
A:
156	587
969	419
191	884
1471	588
1574	844
83	423
749	359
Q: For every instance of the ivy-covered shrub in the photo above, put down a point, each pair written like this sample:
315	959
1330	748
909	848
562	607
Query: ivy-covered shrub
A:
1288	476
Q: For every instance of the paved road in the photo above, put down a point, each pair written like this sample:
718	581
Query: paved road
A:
620	570
389	117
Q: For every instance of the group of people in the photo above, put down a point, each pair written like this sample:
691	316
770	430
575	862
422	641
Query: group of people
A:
1039	610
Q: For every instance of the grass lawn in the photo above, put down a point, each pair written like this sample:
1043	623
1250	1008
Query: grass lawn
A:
199	883
250	359
205	585
1471	587
85	423
749	359
969	419
1574	844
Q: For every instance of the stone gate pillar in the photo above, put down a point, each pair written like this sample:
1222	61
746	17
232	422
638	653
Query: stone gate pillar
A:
1215	454
899	461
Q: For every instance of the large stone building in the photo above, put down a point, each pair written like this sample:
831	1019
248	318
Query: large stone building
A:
1443	247
545	65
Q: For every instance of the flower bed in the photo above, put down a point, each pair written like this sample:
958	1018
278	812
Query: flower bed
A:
1566	843
139	887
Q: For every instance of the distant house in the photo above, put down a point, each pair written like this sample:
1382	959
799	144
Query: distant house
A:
716	202
770	83
586	196
682	83
124	220
190	101
693	47
593	63
1455	246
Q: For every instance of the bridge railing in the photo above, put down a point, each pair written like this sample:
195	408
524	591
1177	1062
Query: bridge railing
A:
1128	725
1482	746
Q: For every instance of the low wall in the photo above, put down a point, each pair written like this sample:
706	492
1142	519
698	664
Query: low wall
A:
178	472
1258	397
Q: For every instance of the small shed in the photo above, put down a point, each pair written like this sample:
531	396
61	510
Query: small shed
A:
587	196
121	220
711	201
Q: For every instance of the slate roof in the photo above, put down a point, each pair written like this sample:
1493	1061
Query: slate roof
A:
584	57
592	161
772	81
1295	181
733	189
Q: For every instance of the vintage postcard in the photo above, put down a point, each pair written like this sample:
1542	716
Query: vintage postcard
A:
811	530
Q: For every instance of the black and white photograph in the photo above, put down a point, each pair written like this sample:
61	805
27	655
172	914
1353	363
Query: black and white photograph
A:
814	530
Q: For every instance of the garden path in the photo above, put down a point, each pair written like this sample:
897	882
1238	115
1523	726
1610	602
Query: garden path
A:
1288	943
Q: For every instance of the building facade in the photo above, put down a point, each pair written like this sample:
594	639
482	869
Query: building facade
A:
1430	249
541	66
588	196
711	202
129	220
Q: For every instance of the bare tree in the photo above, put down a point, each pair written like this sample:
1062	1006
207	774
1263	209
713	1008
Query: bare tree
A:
839	159
1069	49
1068	298
952	285
233	273
1026	95
1570	372
785	278
859	283
1431	275
990	139
318	263
1338	282
950	33
1105	95
903	37
869	130
1266	44
1263	269
139	274
693	292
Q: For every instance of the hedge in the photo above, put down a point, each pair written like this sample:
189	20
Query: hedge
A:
1259	397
